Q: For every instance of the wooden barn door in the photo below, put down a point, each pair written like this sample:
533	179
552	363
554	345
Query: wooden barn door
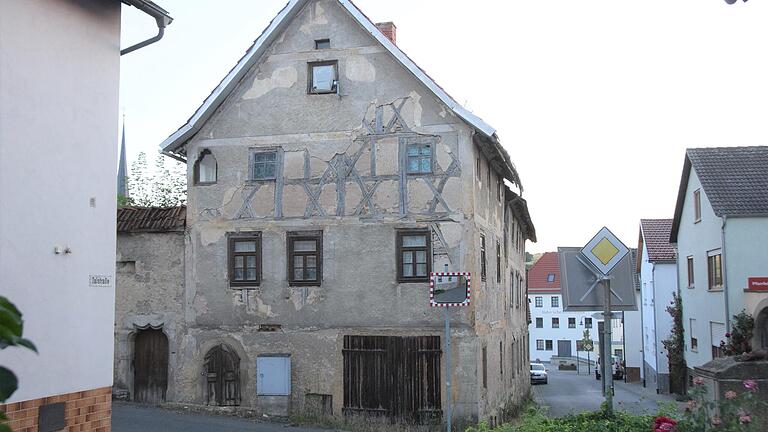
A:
396	377
150	362
222	366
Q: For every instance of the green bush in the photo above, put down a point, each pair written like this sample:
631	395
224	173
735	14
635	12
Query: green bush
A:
535	420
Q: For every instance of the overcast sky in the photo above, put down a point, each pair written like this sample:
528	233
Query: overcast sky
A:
595	101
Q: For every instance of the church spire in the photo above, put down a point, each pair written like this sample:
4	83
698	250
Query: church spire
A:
122	169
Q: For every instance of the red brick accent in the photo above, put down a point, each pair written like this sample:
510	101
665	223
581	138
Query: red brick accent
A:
88	410
389	29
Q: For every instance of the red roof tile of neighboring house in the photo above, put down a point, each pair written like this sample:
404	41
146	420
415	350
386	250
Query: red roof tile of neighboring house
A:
539	274
655	233
151	219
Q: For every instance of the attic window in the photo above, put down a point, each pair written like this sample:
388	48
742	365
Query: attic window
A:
323	77
551	277
323	44
205	168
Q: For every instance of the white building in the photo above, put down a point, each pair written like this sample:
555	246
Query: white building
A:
633	334
59	74
658	278
721	232
554	333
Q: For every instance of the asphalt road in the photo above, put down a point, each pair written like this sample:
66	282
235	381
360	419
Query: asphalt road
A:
134	418
568	393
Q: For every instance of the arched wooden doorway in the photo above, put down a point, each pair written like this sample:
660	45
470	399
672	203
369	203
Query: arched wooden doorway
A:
150	366
222	366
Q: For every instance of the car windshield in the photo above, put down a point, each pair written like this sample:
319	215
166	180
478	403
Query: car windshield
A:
537	367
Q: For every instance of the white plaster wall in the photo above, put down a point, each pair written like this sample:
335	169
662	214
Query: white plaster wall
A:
647	309
59	72
563	333
665	284
746	246
633	342
696	239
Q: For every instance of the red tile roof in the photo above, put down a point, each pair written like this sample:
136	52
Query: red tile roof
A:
655	233
539	273
151	219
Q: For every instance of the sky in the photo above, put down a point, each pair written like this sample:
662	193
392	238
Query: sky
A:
595	101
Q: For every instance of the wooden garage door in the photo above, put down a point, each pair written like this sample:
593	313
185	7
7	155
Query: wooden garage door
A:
150	362
396	377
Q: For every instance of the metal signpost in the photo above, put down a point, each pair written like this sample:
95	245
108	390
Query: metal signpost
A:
446	290
604	252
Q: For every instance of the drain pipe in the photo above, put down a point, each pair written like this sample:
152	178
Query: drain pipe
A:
723	267
159	14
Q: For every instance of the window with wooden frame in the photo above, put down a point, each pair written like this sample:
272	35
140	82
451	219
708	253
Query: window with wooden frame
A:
305	258
715	271
414	255
539	301
540	344
697	205
323	77
588	323
204	170
554	301
571	322
482	258
419	157
244	259
690	272
498	262
549	344
539	322
263	165
694	339
555	322
322	44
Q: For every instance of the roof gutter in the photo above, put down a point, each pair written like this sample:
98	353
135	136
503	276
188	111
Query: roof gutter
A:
161	18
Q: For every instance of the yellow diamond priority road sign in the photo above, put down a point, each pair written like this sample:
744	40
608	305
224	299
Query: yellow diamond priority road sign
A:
604	251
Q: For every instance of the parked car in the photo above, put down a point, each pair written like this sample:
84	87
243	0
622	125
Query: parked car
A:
618	369
538	373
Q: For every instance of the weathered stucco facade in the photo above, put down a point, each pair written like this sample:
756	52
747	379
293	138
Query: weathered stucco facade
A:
341	173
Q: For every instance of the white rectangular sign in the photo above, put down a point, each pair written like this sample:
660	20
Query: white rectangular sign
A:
100	280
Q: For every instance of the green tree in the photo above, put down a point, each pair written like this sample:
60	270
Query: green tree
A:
162	186
675	345
11	329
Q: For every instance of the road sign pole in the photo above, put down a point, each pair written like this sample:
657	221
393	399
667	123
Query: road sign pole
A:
448	394
607	358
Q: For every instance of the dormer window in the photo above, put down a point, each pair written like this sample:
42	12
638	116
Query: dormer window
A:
551	277
323	77
205	168
323	44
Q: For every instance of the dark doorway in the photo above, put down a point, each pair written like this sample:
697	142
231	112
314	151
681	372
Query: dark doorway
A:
150	366
395	377
563	348
222	366
762	329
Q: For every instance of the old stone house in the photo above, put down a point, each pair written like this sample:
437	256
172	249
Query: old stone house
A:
328	176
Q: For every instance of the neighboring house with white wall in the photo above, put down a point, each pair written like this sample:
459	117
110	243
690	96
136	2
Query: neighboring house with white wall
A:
632	337
721	232
554	332
59	76
657	267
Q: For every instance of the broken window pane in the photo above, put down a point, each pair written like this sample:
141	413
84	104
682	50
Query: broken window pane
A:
323	78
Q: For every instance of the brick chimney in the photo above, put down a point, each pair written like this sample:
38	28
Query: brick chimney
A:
389	29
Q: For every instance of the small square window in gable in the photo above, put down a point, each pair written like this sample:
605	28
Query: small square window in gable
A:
264	165
322	44
419	158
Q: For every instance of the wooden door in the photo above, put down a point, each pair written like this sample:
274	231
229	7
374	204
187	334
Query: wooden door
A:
150	363
395	377
563	348
222	366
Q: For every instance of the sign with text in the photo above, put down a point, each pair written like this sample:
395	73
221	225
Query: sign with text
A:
100	280
449	289
757	284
